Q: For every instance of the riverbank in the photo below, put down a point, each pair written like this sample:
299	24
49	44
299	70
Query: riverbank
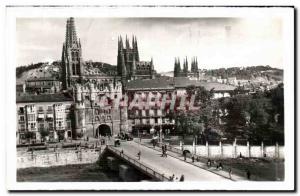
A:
68	173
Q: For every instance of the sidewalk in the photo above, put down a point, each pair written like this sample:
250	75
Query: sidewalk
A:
201	165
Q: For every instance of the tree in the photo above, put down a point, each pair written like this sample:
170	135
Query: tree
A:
29	135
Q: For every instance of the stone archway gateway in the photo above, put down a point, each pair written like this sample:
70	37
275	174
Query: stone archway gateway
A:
103	130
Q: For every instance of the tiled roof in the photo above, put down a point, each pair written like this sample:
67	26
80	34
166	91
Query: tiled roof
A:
42	79
44	98
158	83
182	82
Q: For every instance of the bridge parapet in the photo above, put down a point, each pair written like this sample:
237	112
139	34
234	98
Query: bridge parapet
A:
137	164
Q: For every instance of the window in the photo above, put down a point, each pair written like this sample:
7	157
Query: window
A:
22	119
41	108
22	127
32	125
73	69
78	69
41	127
49	107
31	117
68	125
21	109
143	113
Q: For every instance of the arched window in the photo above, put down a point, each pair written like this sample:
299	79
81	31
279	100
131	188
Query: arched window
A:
78	68
73	69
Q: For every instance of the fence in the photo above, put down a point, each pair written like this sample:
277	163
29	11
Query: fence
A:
139	165
232	150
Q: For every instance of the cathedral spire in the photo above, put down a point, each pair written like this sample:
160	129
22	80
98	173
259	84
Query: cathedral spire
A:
127	43
71	36
135	47
133	42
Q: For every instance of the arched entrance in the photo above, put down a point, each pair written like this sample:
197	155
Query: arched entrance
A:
103	130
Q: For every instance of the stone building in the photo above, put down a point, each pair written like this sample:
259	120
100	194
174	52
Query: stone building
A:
88	88
152	105
43	85
96	111
44	113
184	72
129	66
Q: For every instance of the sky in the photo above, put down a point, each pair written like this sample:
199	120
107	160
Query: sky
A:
216	42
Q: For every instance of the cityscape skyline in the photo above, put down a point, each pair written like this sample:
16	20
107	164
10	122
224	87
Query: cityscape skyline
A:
249	42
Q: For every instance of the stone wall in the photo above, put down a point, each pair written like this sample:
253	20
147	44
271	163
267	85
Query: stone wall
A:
234	150
67	157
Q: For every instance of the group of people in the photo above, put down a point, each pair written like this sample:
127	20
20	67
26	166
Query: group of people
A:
164	150
181	179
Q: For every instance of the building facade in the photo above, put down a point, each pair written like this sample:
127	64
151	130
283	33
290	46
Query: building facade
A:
43	85
44	117
91	119
155	102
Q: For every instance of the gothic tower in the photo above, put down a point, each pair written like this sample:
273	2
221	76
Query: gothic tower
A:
127	56
72	63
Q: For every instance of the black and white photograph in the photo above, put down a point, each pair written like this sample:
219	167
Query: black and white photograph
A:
150	98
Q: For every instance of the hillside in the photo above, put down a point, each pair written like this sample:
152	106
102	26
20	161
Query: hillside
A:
42	69
248	73
45	69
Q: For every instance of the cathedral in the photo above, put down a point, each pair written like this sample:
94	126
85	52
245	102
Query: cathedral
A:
129	66
178	72
90	119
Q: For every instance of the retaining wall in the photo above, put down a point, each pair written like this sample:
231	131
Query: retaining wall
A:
48	159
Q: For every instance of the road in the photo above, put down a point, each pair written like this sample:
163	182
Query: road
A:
168	166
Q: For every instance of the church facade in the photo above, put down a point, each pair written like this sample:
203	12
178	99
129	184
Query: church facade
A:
129	66
90	119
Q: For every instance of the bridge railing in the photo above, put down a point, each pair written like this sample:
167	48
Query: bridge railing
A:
139	165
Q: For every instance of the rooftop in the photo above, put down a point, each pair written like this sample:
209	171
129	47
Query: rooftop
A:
59	97
42	79
165	82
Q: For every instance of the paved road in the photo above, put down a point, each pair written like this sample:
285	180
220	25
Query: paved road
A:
170	165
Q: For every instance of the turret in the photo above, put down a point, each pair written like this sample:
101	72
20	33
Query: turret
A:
127	43
135	47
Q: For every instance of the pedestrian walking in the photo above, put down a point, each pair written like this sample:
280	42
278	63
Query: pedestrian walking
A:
139	155
230	172
193	159
184	155
162	150
181	178
208	163
248	174
220	166
165	150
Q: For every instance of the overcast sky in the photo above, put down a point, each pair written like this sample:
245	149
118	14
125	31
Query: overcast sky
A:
217	42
